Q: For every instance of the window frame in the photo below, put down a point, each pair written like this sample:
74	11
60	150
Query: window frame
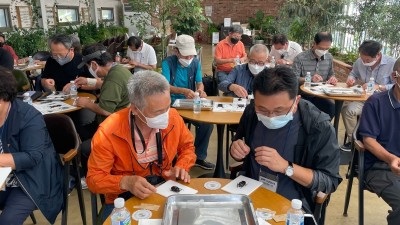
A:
76	8
7	10
112	12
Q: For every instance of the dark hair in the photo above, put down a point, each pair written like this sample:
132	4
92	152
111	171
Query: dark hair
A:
3	36
64	39
103	59
322	36
370	48
236	29
8	85
134	41
279	39
76	43
279	79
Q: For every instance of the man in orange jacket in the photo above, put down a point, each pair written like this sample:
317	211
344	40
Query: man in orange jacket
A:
133	149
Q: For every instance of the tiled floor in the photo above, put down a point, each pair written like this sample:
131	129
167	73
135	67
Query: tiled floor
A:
375	208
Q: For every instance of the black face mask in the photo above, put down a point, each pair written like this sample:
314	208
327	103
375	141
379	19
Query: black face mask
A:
1	44
234	40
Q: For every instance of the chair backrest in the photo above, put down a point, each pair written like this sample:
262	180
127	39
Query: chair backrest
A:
23	83
41	55
247	41
62	132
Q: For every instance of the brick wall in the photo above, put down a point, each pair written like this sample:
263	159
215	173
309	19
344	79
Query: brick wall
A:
341	69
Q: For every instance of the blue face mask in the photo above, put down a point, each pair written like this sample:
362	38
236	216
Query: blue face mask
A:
277	121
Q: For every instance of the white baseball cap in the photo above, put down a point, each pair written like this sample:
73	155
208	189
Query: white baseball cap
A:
185	44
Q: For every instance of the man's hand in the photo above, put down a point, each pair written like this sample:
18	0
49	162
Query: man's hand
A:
239	150
189	94
49	83
82	102
66	88
317	78
332	80
395	166
202	93
239	90
350	81
125	60
133	62
281	61
138	186
270	158
80	81
177	173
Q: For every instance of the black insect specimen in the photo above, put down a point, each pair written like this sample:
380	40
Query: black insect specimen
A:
176	189
241	184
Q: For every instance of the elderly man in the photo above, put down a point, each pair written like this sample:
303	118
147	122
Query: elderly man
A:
319	62
284	50
140	54
240	79
286	142
379	128
183	71
372	63
133	149
228	51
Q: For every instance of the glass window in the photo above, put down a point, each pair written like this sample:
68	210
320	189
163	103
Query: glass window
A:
107	14
4	17
66	14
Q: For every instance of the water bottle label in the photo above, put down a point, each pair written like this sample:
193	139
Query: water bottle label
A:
127	221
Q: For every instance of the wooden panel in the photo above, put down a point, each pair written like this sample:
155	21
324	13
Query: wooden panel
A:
24	16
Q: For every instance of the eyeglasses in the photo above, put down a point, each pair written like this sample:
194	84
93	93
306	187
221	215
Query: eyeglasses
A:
60	57
396	74
256	63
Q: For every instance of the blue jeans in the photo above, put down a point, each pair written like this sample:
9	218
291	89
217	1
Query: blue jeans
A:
203	133
16	206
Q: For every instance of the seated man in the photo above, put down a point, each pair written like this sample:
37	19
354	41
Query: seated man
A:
371	63
319	62
8	48
183	71
240	79
140	54
379	128
286	142
133	149
284	50
227	51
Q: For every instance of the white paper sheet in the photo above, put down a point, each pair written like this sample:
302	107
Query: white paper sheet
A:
260	222
52	107
150	221
165	189
4	172
251	185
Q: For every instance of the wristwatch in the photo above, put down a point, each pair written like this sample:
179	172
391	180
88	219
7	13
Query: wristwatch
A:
289	170
380	87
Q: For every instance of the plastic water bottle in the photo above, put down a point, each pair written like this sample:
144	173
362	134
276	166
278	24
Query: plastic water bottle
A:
307	82
27	98
73	90
30	61
273	62
117	58
294	215
197	103
371	86
120	215
237	60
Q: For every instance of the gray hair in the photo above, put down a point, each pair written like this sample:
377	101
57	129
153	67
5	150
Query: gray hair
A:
63	39
396	66
236	29
258	48
145	83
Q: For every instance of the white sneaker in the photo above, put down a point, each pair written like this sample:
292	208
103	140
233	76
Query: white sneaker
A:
83	183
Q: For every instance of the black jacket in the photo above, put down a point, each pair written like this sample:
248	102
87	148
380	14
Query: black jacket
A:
316	149
37	166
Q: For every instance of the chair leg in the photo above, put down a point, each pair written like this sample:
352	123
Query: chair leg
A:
345	139
93	198
361	188
349	184
66	192
79	190
227	147
33	218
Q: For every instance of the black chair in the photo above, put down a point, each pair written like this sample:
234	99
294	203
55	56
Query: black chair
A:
230	132
95	211
356	169
66	142
247	41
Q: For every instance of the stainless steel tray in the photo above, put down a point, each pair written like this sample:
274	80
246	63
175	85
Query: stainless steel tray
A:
223	209
188	104
343	92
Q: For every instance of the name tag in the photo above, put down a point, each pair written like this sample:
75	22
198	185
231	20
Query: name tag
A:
269	181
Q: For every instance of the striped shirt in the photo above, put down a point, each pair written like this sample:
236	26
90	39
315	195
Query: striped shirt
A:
307	62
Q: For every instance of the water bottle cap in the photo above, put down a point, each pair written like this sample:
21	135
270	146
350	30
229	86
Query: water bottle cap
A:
26	94
296	204
119	202
72	82
197	93
371	78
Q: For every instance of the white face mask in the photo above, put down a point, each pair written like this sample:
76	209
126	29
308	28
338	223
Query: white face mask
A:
185	62
370	63
277	121
94	73
320	52
281	51
255	69
158	122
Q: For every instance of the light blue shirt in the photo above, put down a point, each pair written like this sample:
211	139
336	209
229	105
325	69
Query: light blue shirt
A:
381	73
181	78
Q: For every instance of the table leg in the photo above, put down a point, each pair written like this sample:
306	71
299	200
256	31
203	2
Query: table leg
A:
219	167
338	109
